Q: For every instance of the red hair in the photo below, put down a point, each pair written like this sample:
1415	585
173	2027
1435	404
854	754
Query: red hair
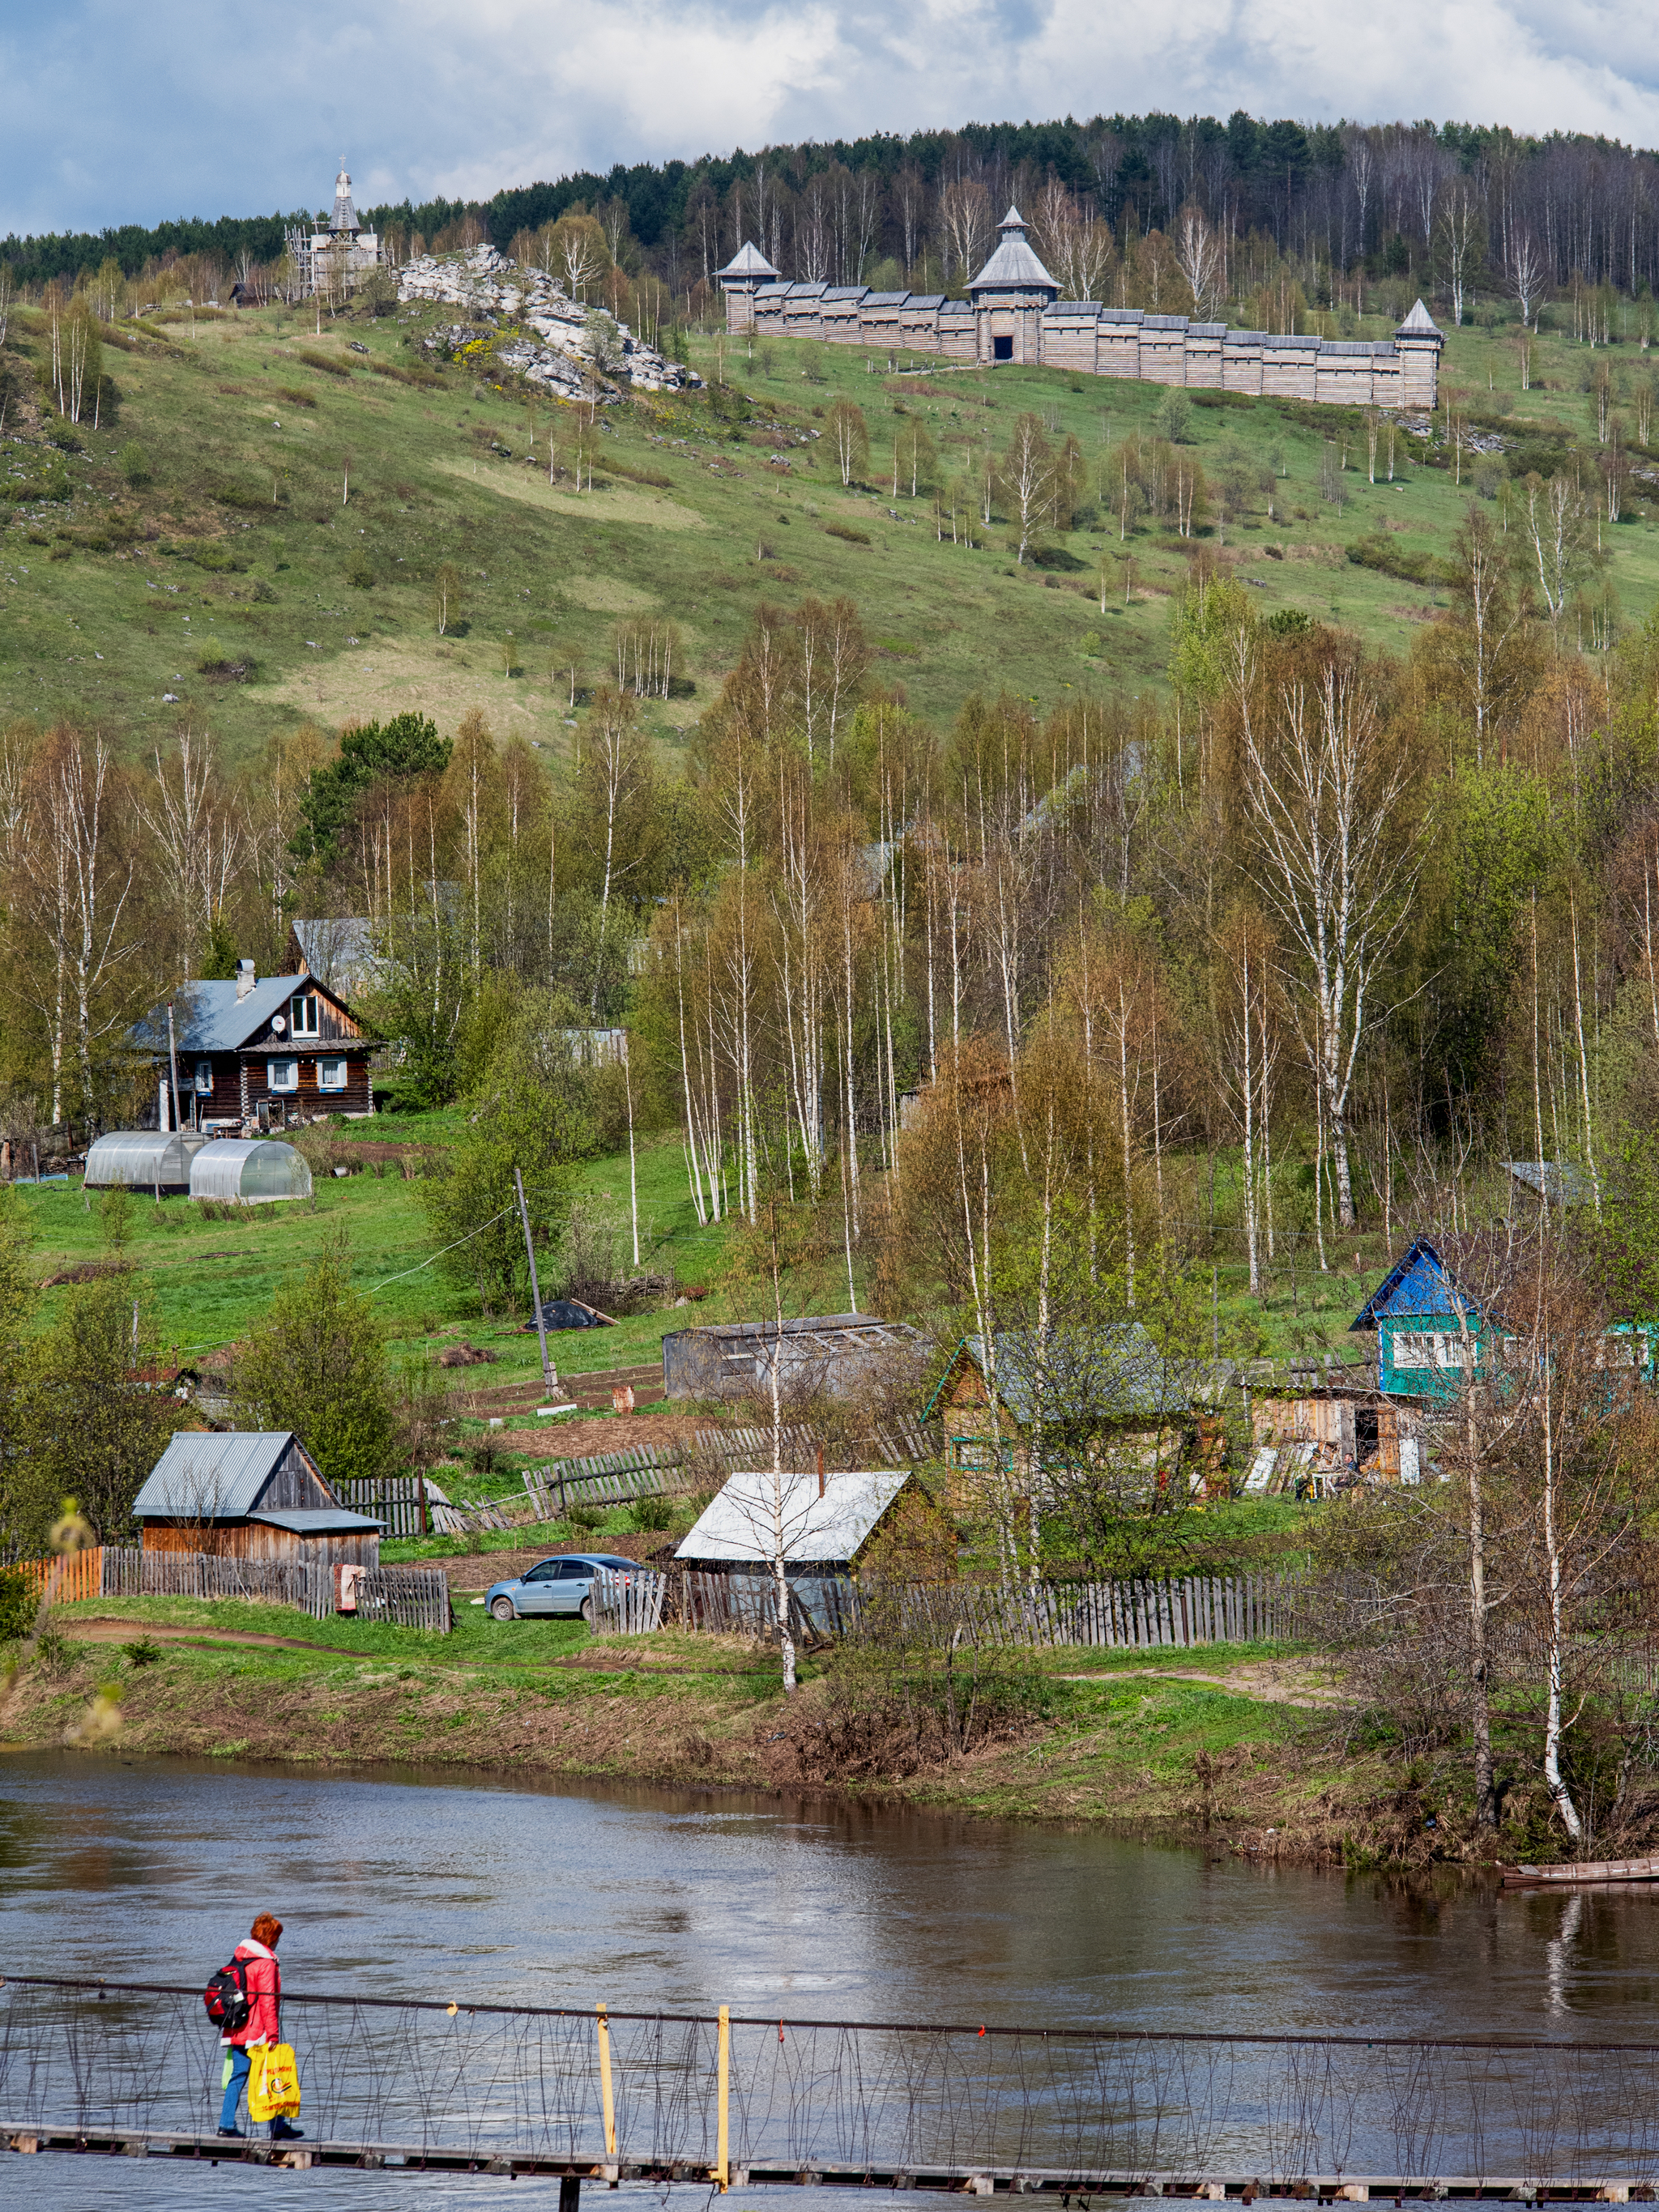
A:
266	1929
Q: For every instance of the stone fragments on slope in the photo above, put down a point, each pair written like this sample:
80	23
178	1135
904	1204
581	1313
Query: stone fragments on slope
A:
547	332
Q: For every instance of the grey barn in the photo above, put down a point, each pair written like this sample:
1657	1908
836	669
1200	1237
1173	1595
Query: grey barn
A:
838	1354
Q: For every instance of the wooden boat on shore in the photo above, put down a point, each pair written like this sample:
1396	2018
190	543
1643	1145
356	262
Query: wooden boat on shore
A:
1555	1877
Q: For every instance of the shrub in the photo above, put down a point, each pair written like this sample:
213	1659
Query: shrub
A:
64	437
845	530
16	1604
295	398
52	483
653	1513
359	569
317	1365
1392	560
315	359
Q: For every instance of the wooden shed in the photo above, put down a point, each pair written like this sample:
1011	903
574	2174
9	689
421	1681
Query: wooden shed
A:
251	1494
840	1355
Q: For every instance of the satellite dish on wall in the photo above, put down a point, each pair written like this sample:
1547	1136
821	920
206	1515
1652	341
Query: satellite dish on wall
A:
279	1023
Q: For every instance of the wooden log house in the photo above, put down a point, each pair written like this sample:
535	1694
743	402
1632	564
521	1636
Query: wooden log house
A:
258	1053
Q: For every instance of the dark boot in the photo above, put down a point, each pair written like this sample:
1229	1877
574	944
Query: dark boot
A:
283	2131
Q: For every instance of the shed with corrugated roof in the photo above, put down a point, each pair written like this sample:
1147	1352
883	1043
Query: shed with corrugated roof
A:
252	1494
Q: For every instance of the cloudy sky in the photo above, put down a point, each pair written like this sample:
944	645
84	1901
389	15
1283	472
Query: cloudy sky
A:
112	113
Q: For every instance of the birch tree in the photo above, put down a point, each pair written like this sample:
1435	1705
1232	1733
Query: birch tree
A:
77	899
1337	861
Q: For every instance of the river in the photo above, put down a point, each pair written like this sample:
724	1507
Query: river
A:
422	1885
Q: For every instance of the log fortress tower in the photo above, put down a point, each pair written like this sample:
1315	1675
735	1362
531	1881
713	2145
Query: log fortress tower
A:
1014	312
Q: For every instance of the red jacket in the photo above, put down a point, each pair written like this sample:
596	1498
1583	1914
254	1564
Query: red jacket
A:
264	1992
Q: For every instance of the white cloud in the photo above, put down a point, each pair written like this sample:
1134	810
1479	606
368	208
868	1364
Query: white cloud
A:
109	114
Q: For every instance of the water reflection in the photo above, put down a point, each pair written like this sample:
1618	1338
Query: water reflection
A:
666	1899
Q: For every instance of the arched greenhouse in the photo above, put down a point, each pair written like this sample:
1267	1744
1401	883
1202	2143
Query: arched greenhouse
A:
249	1171
154	1160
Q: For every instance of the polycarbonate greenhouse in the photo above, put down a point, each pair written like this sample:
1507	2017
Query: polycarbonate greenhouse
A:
253	1171
156	1160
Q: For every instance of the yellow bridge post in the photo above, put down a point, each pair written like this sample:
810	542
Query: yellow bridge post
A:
606	2099
722	2147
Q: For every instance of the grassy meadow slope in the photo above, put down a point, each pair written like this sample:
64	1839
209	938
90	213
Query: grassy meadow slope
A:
276	565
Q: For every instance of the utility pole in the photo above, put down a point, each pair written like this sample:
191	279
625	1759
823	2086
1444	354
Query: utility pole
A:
172	1063
547	1377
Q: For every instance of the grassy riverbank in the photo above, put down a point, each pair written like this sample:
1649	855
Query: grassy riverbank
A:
1236	1746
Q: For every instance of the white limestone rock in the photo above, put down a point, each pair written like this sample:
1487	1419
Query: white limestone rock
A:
552	350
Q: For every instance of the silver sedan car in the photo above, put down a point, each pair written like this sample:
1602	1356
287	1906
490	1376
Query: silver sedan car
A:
564	1587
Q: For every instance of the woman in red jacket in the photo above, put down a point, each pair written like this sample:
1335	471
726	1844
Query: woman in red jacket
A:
264	1993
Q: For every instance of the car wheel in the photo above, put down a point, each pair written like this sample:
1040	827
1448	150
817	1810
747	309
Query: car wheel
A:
587	1611
503	1609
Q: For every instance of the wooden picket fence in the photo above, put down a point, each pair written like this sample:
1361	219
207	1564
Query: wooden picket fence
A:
413	1597
1117	1615
396	1502
627	1605
64	1581
1179	1613
650	1471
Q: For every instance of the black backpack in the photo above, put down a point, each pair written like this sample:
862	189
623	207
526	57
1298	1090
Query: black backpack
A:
225	1998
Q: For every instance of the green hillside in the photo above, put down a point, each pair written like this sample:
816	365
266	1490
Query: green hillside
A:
267	553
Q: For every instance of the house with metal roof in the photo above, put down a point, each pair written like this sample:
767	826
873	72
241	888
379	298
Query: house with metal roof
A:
1087	1388
253	1494
254	1052
1432	1331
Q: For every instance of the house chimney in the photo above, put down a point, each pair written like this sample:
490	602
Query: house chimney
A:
245	979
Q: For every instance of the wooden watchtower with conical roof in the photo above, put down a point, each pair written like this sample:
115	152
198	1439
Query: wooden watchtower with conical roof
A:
1009	295
741	278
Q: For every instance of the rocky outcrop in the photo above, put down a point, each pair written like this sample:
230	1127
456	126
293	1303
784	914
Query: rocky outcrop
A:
537	331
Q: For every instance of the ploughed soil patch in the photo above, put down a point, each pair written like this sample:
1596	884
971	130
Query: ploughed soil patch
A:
560	1440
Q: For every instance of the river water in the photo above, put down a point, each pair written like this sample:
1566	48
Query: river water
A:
427	1886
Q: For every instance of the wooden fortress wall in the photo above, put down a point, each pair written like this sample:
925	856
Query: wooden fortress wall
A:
1079	336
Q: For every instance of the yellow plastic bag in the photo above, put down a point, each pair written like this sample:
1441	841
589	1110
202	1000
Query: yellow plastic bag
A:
273	2081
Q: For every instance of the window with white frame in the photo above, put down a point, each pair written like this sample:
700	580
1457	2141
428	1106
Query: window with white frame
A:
1412	1349
331	1075
303	1013
282	1074
204	1078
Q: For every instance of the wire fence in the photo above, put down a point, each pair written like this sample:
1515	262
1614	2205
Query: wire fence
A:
640	2092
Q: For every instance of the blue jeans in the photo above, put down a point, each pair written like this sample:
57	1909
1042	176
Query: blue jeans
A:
240	2067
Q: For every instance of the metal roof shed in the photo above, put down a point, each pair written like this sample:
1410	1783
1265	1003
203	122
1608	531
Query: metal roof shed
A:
250	1494
837	1353
144	1159
249	1170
